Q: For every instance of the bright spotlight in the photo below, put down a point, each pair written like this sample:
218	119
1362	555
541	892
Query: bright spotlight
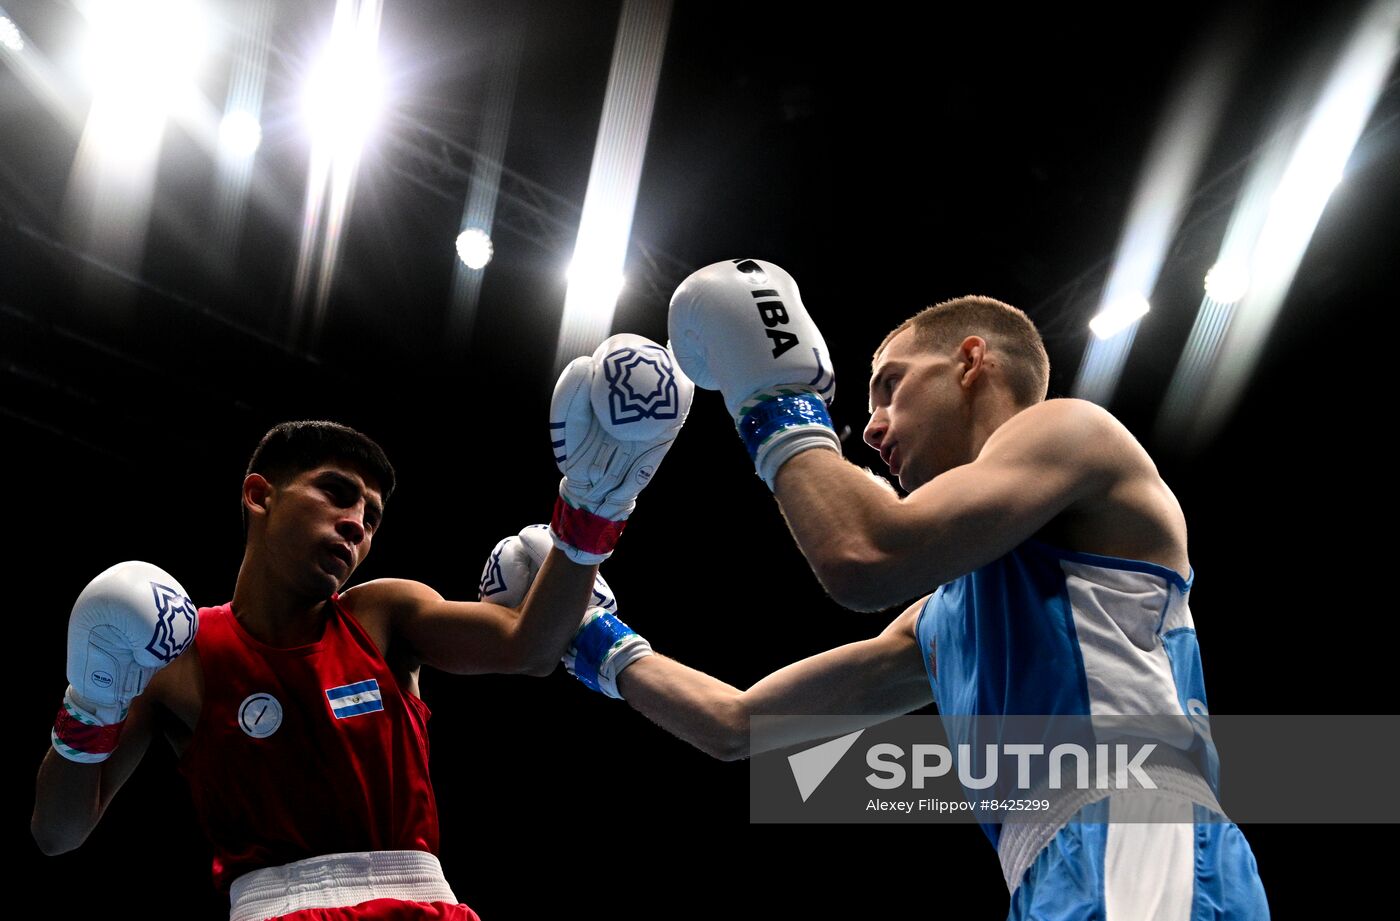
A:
1227	282
240	134
1119	315
142	59
597	283
605	226
474	248
10	36
147	48
343	97
341	100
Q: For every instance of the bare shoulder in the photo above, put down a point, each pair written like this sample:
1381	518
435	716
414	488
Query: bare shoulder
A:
1066	418
904	625
1131	512
1072	430
381	607
387	597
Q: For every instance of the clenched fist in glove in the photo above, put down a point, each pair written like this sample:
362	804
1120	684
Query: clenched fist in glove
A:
130	622
514	562
739	327
603	645
612	419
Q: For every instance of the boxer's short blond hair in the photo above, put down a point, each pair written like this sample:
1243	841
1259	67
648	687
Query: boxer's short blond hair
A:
1008	331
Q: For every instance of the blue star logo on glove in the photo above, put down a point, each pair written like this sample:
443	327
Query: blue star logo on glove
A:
641	385
177	619
492	580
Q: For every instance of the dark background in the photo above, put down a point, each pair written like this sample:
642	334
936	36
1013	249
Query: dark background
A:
888	159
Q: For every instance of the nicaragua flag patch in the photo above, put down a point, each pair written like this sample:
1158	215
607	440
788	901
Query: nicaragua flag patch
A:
354	699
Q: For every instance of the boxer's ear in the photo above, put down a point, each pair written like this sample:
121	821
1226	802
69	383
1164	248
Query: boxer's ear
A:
972	354
257	494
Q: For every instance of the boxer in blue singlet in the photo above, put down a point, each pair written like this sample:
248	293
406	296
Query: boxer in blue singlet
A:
1049	562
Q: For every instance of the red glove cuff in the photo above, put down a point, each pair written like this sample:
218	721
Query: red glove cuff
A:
584	530
88	738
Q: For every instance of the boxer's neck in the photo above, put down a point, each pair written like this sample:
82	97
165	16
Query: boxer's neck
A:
275	613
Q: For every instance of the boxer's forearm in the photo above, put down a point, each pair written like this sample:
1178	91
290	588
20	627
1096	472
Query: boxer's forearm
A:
67	803
855	685
552	611
70	798
872	549
845	523
689	704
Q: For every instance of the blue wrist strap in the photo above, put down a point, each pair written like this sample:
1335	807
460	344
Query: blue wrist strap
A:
774	413
592	644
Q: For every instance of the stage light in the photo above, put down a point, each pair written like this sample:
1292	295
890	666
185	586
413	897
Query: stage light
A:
1179	146
142	58
10	36
595	283
1227	282
341	102
145	49
240	134
344	95
474	248
605	227
1119	315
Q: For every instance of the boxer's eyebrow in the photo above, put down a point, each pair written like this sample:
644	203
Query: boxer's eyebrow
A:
374	510
356	487
893	367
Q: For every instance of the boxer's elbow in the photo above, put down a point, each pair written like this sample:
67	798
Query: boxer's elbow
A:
522	657
729	738
722	746
860	580
856	593
537	665
54	839
529	652
66	810
732	750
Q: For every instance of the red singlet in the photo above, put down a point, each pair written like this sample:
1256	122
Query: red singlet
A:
305	751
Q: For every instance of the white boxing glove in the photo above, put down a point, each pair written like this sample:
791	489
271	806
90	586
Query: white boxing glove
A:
128	623
512	566
740	327
612	419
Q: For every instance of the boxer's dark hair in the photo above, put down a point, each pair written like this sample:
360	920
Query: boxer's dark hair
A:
295	447
1008	331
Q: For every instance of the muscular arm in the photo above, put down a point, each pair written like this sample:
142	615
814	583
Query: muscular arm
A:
871	549
868	681
70	798
473	637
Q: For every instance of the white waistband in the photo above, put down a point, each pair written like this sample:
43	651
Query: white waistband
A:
1177	779
338	880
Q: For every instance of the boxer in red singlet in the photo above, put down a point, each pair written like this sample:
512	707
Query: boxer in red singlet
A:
294	708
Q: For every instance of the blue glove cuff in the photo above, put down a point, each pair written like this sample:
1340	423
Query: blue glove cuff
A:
592	644
775	413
